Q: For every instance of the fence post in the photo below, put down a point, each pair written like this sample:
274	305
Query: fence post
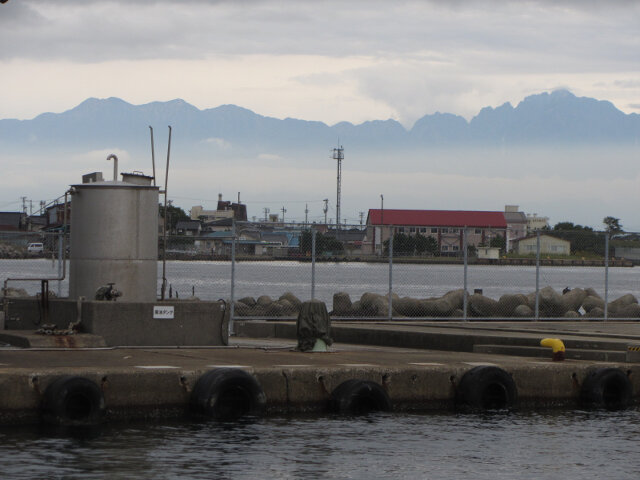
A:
391	276
466	263
313	263
60	260
233	275
606	275
537	310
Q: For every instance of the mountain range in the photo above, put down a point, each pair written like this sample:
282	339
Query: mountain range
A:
545	119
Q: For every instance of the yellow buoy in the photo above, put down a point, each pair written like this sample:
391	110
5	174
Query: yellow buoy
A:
557	347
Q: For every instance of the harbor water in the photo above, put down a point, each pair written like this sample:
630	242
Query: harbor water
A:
211	280
548	445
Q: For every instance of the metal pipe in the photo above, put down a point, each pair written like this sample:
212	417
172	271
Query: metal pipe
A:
391	277
60	277
313	263
164	222
537	306
233	276
115	166
153	156
466	263
606	275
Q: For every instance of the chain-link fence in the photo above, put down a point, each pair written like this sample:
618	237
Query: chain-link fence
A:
267	269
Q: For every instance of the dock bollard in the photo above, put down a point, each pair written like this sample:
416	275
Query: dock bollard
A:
557	348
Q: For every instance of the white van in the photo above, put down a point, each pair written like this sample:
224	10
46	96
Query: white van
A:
35	248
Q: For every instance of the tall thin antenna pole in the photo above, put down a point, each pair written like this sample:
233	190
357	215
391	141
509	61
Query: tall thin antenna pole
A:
325	209
153	156
306	214
164	220
338	154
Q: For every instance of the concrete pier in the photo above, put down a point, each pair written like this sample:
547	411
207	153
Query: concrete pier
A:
418	365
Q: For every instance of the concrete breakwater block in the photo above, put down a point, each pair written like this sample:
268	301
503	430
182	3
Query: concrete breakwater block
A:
574	303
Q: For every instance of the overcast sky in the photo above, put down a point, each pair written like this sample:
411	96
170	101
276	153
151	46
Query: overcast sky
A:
317	60
322	60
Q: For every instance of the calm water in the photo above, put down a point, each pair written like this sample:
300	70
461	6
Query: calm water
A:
555	445
212	280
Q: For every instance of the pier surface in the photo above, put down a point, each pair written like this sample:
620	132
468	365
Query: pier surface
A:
418	364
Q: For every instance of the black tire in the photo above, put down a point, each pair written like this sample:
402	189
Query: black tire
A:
486	388
226	394
606	388
73	401
359	397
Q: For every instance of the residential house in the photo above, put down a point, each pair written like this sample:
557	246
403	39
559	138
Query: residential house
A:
189	228
548	245
12	221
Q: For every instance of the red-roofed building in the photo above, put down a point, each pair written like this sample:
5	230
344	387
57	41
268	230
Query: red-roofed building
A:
446	226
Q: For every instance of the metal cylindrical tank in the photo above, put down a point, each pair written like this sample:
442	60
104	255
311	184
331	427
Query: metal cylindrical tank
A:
114	239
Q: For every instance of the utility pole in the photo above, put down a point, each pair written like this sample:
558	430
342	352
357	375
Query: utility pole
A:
325	209
266	213
24	205
361	217
338	154
306	214
283	210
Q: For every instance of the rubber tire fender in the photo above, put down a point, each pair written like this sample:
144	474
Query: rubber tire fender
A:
608	388
72	401
486	387
227	393
359	396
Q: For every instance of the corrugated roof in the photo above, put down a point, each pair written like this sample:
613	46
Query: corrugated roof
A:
437	218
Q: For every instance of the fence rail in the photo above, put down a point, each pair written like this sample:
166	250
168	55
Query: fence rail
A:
266	271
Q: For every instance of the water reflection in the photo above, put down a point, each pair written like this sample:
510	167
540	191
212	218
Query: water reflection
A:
576	444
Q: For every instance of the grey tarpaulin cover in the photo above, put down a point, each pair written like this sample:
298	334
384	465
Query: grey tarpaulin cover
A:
313	323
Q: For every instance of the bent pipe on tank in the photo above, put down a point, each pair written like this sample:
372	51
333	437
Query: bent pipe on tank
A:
115	166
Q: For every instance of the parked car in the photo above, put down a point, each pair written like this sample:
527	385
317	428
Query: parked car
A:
35	248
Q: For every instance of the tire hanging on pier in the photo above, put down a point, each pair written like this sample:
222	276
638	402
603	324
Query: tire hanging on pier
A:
73	401
486	388
608	388
227	394
358	397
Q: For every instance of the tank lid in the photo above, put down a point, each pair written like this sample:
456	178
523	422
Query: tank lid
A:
136	178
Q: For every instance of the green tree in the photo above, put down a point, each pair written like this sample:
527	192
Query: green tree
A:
424	244
582	238
612	224
324	243
498	242
174	215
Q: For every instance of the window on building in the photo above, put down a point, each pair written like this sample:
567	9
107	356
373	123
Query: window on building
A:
412	229
400	230
434	230
455	248
444	230
423	229
445	248
478	231
455	230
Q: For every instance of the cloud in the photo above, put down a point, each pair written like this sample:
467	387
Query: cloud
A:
221	143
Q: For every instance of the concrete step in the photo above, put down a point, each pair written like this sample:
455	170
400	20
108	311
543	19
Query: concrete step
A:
572	353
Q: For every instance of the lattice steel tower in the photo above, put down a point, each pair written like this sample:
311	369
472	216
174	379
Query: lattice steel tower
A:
338	154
